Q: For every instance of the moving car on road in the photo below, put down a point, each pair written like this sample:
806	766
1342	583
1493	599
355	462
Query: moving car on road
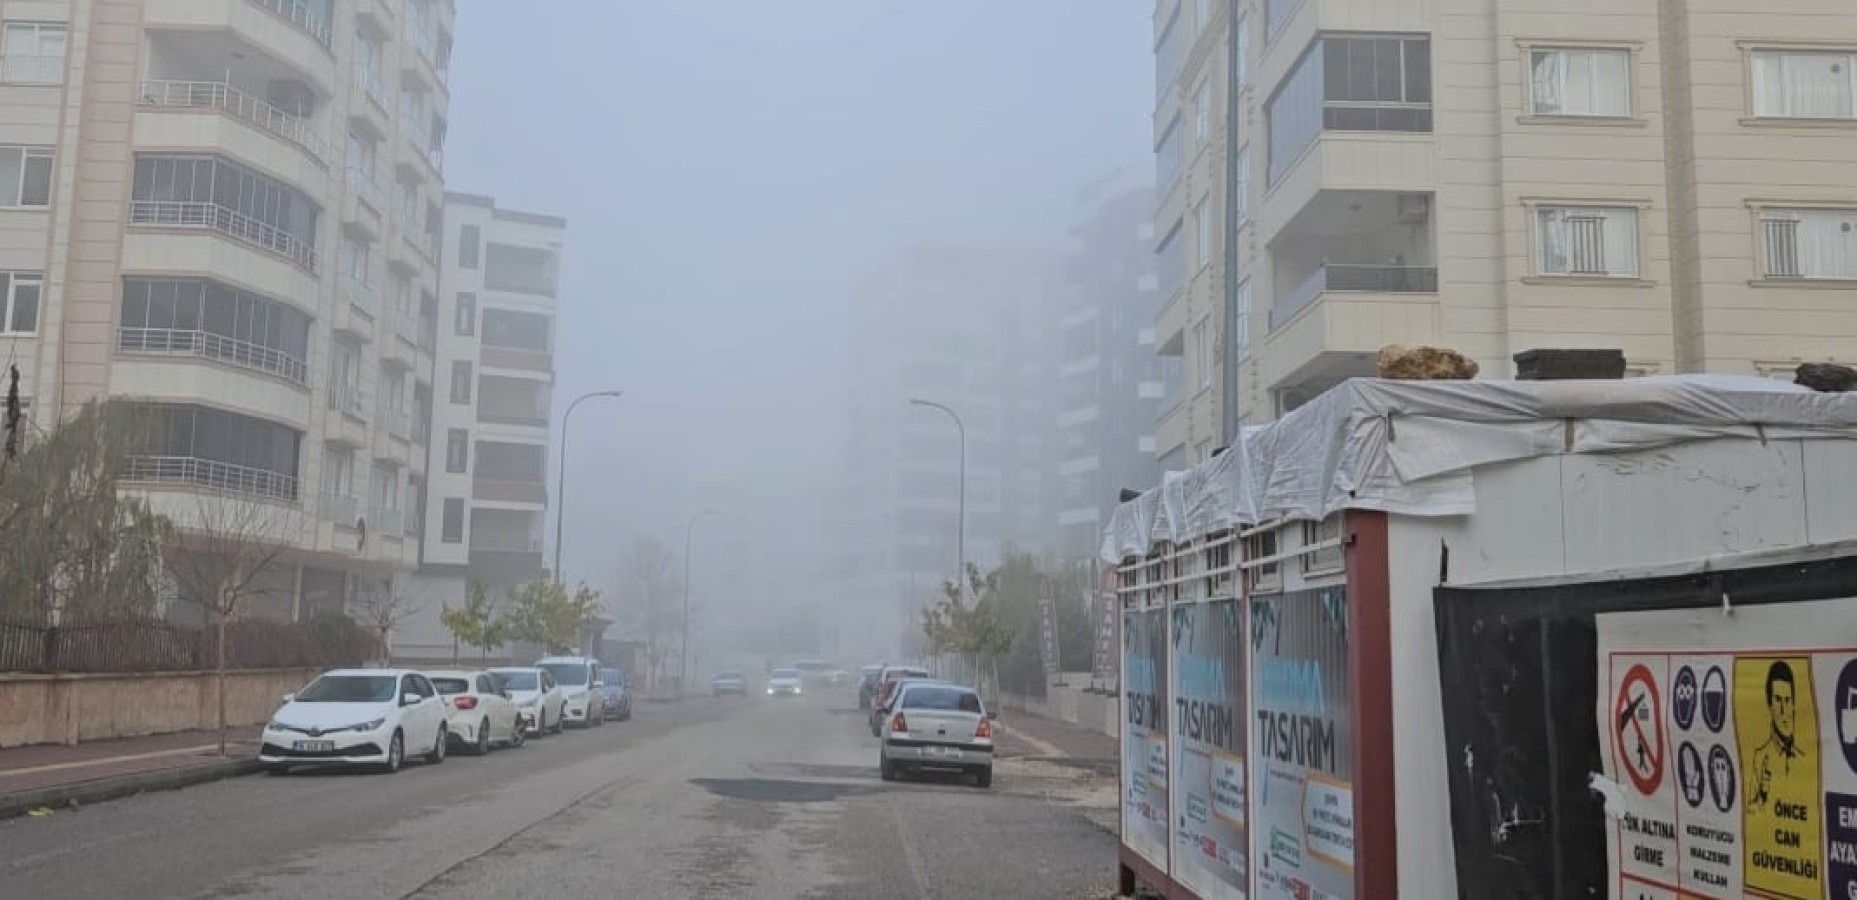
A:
539	700
728	682
784	683
357	717
938	727
617	698
482	714
867	685
579	677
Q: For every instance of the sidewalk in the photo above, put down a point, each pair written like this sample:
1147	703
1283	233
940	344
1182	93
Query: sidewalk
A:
54	776
1029	735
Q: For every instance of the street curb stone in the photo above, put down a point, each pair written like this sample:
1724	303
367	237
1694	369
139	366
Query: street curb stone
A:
101	789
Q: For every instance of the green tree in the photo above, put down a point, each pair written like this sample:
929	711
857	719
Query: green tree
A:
544	612
476	623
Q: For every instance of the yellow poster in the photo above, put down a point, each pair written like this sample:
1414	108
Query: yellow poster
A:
1776	729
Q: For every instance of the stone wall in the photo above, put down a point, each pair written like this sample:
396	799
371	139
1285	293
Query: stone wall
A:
68	709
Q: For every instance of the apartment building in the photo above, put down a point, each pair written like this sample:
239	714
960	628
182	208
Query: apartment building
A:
1666	179
486	495
963	327
193	216
1110	383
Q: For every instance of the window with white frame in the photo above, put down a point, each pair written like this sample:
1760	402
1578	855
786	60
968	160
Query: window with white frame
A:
1202	230
1241	324
33	52
1580	81
1810	243
1202	112
1202	347
19	294
1805	84
1594	241
1264	576
26	177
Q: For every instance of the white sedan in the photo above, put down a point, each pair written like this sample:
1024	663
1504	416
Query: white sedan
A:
481	713
357	717
539	700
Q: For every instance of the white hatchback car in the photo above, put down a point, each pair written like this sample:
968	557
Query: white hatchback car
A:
357	717
539	700
481	713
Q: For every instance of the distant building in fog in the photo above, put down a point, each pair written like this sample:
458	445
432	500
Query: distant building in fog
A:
1109	383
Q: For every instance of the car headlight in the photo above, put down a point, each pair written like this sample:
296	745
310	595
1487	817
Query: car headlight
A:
770	691
275	725
368	726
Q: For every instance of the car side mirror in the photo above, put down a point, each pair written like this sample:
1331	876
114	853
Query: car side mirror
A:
289	697
410	699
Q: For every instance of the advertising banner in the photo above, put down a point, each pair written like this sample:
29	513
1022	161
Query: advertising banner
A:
1209	772
1730	743
1144	734
1302	746
1107	615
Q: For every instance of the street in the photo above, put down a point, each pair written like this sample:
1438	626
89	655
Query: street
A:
753	797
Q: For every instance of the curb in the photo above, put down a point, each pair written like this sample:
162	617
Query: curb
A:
101	789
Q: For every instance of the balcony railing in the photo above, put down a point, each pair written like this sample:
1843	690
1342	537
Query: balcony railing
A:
1364	279
399	423
346	398
367	188
238	104
341	508
360	295
406	325
371	84
512	416
502	544
205	344
510	490
418	133
230	222
387	520
31	68
420	240
302	14
212	474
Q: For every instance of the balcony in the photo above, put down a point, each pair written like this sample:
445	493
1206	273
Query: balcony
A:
196	472
347	400
341	509
371	85
528	489
367	189
192	214
528	418
406	325
397	422
1333	278
513	358
215	95
169	342
361	296
309	18
1352	242
387	521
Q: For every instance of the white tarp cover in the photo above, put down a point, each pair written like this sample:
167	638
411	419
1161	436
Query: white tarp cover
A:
1409	447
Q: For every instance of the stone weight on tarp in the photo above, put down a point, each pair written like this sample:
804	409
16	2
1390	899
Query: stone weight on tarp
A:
1425	364
1827	377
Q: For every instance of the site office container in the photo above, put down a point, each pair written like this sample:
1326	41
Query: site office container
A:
1287	732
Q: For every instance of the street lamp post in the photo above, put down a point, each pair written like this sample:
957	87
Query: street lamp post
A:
960	527
561	476
683	654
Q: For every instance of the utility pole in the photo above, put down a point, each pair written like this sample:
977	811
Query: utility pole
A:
683	654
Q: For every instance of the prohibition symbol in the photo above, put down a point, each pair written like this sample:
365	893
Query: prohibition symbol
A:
1638	729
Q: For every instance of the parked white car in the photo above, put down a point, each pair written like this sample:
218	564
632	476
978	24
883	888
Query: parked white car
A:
357	717
934	726
538	698
579	677
482	715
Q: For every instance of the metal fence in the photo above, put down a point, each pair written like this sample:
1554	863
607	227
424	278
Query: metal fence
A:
152	645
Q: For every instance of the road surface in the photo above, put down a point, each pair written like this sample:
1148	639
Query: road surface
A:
753	797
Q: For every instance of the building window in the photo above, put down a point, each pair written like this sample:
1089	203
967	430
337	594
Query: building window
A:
33	53
1243	186
465	324
1167	157
208	192
516	330
20	292
25	177
1241	325
469	240
219	449
1202	348
206	318
457	450
1588	241
1350	84
1580	82
451	528
524	270
1202	112
1798	84
1810	243
460	381
1202	229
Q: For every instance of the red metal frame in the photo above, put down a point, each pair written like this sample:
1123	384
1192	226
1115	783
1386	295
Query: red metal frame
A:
1370	688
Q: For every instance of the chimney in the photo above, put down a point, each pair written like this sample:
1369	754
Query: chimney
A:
1557	365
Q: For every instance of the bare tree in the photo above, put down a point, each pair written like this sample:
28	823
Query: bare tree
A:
220	557
385	609
647	602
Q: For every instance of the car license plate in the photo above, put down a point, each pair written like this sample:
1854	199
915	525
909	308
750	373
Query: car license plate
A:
314	746
943	751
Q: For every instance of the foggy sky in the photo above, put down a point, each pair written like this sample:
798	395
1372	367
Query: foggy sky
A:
728	168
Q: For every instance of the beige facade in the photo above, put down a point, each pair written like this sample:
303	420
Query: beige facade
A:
1666	179
228	210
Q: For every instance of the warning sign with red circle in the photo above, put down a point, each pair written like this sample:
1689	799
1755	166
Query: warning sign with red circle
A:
1638	729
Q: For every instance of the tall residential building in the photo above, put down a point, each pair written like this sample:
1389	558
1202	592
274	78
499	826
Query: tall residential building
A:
1110	384
1668	179
227	211
960	326
486	493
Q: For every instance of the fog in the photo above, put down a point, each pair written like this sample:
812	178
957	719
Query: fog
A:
729	171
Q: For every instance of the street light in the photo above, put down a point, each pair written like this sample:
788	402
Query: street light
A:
683	655
561	476
960	527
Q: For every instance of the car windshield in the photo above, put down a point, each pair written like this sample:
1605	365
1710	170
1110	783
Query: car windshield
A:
448	685
786	673
574	674
350	689
944	698
522	680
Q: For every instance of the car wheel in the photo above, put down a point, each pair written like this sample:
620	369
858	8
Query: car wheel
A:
519	733
541	727
886	770
983	777
396	752
438	748
561	723
483	738
276	770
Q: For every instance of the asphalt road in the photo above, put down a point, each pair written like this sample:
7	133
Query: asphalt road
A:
729	798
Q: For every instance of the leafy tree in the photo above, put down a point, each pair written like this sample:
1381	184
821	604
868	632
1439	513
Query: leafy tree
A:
476	623
544	612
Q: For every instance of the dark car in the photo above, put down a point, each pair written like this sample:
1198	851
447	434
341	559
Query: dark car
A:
867	685
730	682
618	696
887	694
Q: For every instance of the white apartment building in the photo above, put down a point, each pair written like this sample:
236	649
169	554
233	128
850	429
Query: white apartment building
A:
486	494
1670	180
226	210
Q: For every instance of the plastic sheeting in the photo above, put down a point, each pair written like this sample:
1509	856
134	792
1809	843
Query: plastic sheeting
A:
1410	447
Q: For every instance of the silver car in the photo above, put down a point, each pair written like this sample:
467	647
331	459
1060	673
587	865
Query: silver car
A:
937	727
